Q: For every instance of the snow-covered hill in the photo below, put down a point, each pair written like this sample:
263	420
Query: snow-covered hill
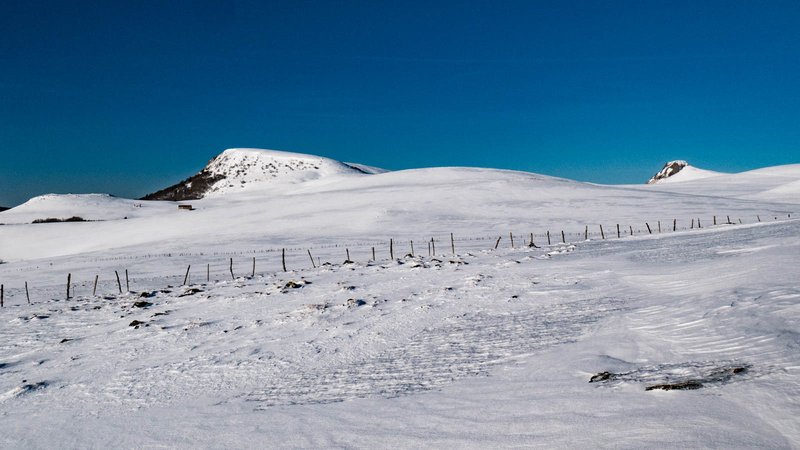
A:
89	207
240	169
239	323
328	200
779	184
679	170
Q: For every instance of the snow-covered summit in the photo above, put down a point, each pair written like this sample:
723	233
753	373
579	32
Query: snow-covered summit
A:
680	170
238	169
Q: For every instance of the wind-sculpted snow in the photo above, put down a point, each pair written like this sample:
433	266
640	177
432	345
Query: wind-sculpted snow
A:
486	348
464	346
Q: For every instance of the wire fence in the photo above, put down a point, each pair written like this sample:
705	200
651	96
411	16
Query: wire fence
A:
188	267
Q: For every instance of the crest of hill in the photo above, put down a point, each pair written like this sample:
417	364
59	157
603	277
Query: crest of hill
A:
89	207
240	169
679	170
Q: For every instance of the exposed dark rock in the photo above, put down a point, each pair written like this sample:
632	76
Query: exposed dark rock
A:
682	386
142	304
135	324
192	188
190	291
602	376
293	285
57	220
669	169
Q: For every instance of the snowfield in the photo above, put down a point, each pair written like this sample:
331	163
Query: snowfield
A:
690	337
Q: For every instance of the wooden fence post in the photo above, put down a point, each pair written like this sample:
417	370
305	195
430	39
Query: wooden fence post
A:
230	268
208	272
674	224
94	289
548	238
619	235
283	260
698	223
631	227
315	266
69	281
563	238
759	218
348	256
2	295
186	277
511	236
373	254
119	285
127	282
648	228
715	220
391	249
498	242
659	226
27	295
411	242
452	244
433	247
586	233
692	227
253	275
729	220
602	235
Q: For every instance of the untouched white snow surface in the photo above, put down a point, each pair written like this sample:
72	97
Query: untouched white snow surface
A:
485	348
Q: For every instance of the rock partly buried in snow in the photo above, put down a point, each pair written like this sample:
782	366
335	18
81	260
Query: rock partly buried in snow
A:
238	169
679	171
670	169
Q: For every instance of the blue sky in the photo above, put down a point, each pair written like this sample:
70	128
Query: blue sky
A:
128	97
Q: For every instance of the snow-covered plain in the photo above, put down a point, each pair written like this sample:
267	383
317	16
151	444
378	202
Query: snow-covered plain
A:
485	348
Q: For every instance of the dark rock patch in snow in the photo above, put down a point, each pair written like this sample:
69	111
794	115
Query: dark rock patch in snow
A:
669	169
681	376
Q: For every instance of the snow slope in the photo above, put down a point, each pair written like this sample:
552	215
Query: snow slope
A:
90	207
483	348
486	349
678	171
408	204
777	184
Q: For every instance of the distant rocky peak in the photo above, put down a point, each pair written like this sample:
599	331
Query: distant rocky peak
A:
669	169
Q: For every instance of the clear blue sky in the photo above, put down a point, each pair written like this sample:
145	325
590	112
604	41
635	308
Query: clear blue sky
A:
127	97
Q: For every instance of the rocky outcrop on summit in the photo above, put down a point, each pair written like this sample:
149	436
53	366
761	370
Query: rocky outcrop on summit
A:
670	169
236	170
